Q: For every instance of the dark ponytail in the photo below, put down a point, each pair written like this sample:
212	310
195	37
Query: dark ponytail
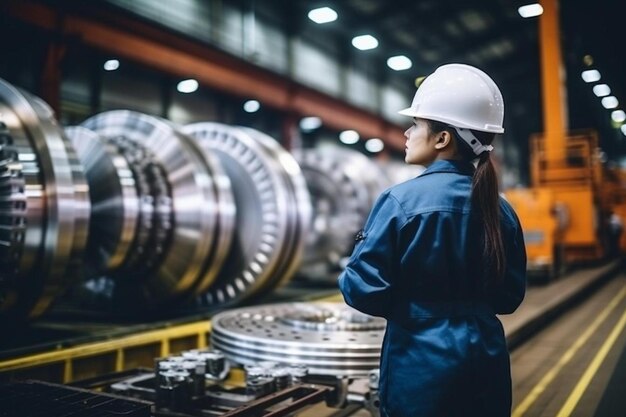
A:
486	201
485	198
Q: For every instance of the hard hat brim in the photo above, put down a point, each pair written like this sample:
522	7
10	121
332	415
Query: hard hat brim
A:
489	129
408	112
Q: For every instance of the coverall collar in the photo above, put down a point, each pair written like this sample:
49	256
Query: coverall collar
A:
449	165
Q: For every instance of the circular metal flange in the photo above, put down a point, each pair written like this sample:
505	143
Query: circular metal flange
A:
226	222
266	220
299	208
114	200
135	156
344	185
194	200
327	338
54	208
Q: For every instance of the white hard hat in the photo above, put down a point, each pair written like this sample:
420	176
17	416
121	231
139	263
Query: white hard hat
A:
461	96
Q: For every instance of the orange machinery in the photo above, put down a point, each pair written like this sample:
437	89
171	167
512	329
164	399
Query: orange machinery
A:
543	230
566	214
565	211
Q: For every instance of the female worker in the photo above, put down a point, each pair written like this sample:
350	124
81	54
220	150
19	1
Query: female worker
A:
441	255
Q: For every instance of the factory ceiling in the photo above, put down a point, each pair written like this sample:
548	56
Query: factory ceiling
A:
492	35
489	34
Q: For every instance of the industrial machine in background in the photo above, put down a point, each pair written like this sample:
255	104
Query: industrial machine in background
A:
566	212
343	184
130	213
570	212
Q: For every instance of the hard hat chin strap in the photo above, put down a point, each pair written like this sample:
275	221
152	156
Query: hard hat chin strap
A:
473	142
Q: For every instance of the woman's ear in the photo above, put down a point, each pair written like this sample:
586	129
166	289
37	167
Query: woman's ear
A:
443	139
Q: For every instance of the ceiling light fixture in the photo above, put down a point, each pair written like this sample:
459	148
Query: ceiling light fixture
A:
364	42
111	65
251	106
590	76
374	145
618	116
623	128
601	90
187	86
323	15
349	137
530	10
610	102
311	123
399	63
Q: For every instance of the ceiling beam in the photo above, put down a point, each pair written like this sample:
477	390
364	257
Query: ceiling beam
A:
185	58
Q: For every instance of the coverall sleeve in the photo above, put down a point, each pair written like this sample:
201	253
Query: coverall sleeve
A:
367	281
511	290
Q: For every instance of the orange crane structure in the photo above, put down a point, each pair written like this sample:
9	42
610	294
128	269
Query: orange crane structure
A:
566	211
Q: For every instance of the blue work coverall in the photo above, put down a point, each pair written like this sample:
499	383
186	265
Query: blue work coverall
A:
418	263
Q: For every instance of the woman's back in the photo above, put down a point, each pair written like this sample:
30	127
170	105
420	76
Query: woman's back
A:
443	339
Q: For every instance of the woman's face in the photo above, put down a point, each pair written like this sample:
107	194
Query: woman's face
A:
420	144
